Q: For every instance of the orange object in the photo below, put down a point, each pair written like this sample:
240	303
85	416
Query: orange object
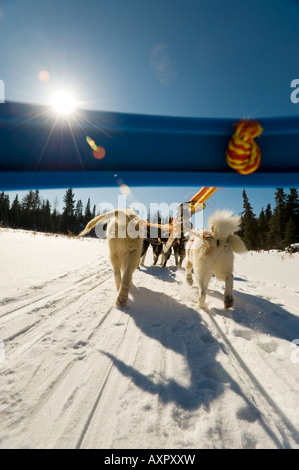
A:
243	153
197	201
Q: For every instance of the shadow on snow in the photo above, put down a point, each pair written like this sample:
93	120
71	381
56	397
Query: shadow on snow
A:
180	328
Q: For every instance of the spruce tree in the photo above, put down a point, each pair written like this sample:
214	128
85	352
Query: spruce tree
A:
68	215
289	234
27	210
55	216
79	212
36	209
15	213
278	220
268	217
45	223
292	209
261	231
55	220
87	213
4	208
249	224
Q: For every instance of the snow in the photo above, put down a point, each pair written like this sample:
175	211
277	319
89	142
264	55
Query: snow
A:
77	372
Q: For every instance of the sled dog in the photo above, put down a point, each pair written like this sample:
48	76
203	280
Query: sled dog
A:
125	244
212	252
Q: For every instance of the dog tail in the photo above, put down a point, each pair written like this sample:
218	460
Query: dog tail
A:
237	245
99	219
223	223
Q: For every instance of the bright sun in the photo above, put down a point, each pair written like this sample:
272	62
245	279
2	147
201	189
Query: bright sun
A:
63	102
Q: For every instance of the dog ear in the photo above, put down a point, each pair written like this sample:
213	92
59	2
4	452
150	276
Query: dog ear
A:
236	244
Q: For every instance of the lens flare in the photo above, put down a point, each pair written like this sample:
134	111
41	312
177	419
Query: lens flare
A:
162	64
98	151
44	76
125	190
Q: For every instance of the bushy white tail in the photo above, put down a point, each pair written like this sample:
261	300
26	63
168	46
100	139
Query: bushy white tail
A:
236	244
223	223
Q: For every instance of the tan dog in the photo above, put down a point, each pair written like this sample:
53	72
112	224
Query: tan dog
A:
212	252
125	244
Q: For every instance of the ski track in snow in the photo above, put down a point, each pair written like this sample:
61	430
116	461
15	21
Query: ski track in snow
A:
159	374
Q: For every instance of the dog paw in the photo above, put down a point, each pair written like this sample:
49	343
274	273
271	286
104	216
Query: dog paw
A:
228	302
189	280
121	301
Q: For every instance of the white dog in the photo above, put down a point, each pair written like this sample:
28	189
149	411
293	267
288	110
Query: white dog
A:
212	252
125	244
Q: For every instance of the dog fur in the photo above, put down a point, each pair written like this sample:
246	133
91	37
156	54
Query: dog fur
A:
212	252
124	250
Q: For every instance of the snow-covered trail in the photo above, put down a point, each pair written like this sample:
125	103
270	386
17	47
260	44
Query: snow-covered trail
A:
161	373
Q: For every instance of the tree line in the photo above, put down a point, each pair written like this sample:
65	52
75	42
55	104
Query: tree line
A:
274	228
271	229
36	213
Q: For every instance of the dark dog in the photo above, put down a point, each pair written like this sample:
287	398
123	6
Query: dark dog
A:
179	249
157	243
153	238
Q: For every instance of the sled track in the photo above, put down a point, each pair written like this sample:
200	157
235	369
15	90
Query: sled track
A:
59	302
96	407
97	401
53	384
31	299
272	419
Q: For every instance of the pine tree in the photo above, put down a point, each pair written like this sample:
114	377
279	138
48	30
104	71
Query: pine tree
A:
15	213
261	231
289	234
36	208
87	213
55	217
249	225
268	217
278	220
68	215
292	209
4	208
45	222
79	212
55	220
27	207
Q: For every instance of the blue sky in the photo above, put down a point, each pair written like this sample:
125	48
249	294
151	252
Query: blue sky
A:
198	58
207	58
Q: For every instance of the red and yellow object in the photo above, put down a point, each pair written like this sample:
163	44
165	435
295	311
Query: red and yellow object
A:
243	153
199	198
